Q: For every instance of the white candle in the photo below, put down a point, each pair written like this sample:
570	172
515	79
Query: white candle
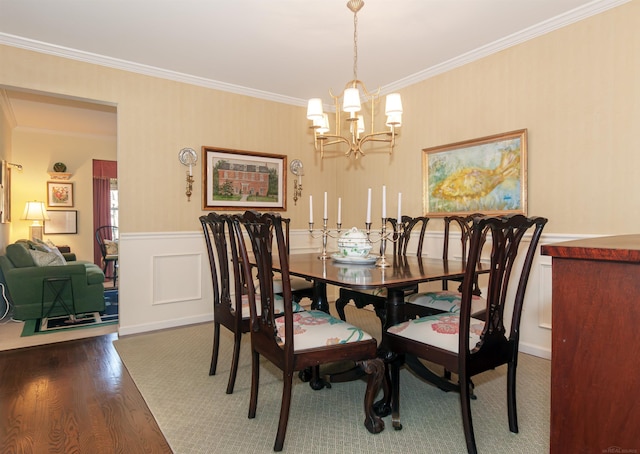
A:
339	210
300	179
399	206
190	170
369	206
384	202
310	209
325	207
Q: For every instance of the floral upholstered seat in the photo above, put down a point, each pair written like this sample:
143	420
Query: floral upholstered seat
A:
439	330
445	300
313	329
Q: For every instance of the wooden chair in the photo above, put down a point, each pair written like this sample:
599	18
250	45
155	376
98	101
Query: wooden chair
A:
107	238
378	297
293	342
230	300
465	345
230	305
446	300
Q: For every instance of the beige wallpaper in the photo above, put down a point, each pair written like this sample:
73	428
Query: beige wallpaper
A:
576	91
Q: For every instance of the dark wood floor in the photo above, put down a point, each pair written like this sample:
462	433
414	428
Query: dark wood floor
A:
73	397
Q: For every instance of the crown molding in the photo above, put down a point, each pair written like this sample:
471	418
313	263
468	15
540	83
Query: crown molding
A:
588	10
563	20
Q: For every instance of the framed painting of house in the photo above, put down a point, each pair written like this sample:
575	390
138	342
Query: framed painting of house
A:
486	175
240	180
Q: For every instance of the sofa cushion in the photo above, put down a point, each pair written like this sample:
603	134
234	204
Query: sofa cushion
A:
19	255
41	258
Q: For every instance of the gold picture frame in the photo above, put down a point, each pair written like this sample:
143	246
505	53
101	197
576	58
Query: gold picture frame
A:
486	175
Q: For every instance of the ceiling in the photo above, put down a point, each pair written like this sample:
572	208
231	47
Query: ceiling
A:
284	50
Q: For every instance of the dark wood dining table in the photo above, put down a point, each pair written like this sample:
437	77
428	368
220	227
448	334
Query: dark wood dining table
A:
403	271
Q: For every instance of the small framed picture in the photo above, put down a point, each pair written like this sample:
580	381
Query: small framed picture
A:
59	194
61	222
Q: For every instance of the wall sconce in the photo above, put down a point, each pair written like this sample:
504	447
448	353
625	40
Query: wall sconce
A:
297	170
188	157
36	212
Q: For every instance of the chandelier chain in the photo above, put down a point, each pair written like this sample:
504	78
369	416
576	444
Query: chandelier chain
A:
355	45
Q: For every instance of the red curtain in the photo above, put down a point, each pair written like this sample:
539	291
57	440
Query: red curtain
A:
103	171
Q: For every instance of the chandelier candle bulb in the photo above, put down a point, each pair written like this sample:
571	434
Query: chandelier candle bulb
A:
399	207
310	209
368	221
384	202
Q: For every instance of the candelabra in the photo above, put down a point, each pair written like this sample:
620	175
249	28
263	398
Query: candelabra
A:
384	237
325	236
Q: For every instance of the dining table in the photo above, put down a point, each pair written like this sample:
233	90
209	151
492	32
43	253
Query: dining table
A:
400	272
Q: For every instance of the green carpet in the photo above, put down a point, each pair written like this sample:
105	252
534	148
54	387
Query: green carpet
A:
170	368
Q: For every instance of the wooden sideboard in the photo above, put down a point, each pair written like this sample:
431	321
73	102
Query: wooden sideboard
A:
595	356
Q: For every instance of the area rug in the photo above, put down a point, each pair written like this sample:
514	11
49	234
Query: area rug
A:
170	368
87	320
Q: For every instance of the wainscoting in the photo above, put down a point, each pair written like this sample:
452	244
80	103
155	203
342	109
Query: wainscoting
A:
165	283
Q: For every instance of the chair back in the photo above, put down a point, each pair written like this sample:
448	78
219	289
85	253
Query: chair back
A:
505	234
104	234
463	225
225	267
264	231
401	240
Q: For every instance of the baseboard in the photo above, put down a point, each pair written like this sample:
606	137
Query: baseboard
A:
534	350
165	324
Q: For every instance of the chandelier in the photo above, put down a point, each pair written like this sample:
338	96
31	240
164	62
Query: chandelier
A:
353	132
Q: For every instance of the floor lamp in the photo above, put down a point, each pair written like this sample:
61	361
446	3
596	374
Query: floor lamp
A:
36	212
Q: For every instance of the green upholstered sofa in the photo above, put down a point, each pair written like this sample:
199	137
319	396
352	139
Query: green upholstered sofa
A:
25	281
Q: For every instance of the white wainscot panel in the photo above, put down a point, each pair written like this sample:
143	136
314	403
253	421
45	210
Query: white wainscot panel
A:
177	278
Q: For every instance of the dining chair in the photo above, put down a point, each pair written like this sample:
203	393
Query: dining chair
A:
230	300
230	304
461	343
377	297
295	341
107	239
446	300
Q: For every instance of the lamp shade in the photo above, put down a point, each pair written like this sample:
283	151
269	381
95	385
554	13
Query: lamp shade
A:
35	211
393	104
322	124
314	109
394	120
351	100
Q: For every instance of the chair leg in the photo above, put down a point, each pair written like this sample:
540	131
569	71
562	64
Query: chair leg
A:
216	349
511	397
395	394
465	406
255	380
237	338
374	368
285	406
